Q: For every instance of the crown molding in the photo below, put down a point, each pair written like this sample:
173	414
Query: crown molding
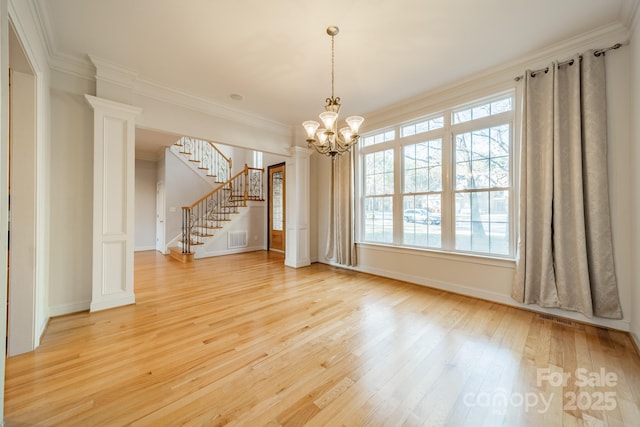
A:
67	64
106	104
101	69
631	15
55	60
28	25
93	68
628	13
41	16
113	73
496	78
158	91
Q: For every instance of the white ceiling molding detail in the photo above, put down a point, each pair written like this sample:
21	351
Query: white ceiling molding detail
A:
78	67
104	70
629	13
497	79
162	93
425	53
195	54
108	73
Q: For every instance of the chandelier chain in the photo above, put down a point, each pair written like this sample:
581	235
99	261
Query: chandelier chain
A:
332	64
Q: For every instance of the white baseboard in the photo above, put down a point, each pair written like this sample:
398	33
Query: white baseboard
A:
199	255
126	298
298	263
61	310
145	248
636	340
41	330
622	325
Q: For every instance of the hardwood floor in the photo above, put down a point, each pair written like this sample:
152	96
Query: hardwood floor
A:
243	340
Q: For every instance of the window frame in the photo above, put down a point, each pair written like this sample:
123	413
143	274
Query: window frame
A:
448	193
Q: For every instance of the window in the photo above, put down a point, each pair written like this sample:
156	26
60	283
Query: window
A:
422	193
482	190
423	126
378	196
442	181
257	159
379	138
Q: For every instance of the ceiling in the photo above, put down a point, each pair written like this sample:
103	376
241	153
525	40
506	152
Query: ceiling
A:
277	56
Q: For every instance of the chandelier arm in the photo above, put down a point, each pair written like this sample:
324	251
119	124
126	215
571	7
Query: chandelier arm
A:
352	140
319	148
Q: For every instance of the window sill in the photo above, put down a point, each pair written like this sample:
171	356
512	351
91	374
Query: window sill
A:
483	259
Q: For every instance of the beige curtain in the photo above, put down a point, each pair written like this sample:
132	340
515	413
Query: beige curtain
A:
565	254
341	235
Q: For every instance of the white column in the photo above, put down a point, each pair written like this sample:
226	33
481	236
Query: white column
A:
298	186
113	202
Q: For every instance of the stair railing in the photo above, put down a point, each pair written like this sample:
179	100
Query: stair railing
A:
210	212
209	158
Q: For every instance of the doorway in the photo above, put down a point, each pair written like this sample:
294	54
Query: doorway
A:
277	208
23	297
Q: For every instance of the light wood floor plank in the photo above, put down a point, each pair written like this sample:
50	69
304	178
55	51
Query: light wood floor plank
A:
243	340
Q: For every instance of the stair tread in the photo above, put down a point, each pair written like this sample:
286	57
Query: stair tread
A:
192	243
196	233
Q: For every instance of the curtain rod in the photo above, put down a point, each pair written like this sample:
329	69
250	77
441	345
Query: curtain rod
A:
570	61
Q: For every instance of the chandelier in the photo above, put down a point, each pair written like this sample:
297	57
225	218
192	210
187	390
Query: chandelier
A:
328	140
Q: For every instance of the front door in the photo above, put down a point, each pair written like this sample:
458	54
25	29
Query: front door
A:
277	220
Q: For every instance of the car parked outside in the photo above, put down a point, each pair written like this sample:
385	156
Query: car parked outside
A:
421	215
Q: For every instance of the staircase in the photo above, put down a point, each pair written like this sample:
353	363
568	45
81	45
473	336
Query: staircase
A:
205	157
204	219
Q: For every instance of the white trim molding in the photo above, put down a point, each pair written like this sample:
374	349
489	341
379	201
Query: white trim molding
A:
297	205
113	203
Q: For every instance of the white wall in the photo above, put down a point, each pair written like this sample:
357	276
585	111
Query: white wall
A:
4	174
634	112
491	279
250	220
145	215
22	258
272	159
239	157
618	69
70	254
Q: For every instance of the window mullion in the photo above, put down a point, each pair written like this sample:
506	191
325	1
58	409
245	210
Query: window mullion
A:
448	201
398	183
